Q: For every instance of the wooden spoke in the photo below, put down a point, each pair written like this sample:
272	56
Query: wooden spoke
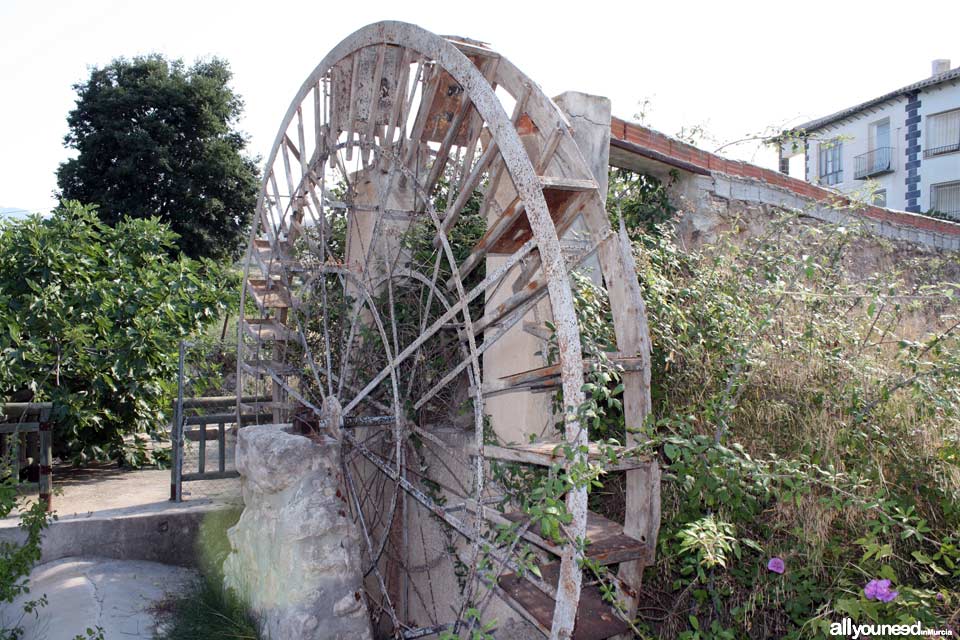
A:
473	180
352	111
375	95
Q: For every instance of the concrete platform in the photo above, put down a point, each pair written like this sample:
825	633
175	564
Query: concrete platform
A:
106	511
117	547
119	596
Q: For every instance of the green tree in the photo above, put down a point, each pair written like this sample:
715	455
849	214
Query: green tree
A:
91	315
157	139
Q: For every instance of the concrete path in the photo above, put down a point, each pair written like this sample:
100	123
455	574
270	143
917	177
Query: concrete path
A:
116	595
100	487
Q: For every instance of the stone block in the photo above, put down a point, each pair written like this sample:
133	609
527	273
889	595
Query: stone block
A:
746	191
721	187
295	557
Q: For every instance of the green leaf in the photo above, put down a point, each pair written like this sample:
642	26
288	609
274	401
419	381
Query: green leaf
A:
921	557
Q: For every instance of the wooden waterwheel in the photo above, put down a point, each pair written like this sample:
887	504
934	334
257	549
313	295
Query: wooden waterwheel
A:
408	230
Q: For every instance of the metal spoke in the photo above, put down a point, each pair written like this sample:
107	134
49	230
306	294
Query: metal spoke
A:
366	537
461	527
443	319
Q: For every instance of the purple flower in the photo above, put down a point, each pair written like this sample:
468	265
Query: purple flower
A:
880	590
776	565
939	597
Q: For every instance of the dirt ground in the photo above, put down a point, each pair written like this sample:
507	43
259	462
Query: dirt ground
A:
104	486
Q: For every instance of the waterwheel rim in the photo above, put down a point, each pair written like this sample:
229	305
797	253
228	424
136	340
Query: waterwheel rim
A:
312	161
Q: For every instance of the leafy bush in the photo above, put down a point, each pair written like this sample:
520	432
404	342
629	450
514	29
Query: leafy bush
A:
806	415
640	200
18	559
91	317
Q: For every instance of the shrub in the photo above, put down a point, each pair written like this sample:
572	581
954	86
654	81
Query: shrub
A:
806	417
91	317
18	559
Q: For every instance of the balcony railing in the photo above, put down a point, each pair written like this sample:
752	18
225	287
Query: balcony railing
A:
873	163
936	151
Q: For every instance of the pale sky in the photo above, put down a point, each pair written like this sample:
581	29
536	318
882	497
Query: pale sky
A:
731	67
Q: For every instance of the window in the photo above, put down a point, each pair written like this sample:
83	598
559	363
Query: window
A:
879	156
831	163
943	133
880	197
945	199
880	134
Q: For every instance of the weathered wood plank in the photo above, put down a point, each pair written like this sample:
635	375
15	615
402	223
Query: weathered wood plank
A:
352	113
490	154
512	229
551	373
221	446
219	401
202	461
268	368
595	619
546	454
630	326
269	294
367	137
267	330
19	427
607	542
229	418
45	484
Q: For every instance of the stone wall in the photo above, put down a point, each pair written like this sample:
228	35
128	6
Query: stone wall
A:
711	208
639	148
709	198
295	556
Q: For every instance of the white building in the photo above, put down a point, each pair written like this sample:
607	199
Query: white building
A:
907	141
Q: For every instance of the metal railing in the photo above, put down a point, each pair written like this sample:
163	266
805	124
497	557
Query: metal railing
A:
218	413
945	200
873	163
19	419
936	151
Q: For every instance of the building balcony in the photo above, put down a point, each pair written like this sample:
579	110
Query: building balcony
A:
873	163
